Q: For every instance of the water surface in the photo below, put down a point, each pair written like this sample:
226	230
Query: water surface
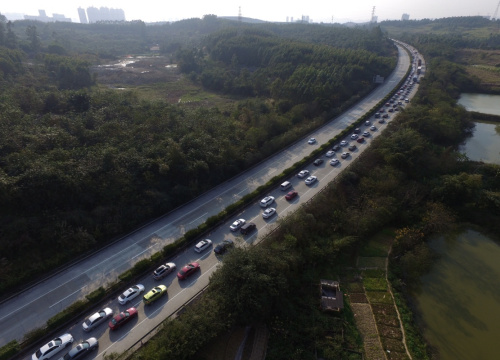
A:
484	145
483	103
460	298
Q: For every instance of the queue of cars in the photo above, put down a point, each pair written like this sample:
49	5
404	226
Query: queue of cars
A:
104	315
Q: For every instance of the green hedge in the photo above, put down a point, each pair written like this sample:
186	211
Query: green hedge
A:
9	350
96	295
67	314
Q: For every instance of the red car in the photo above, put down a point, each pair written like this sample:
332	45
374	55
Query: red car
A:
188	270
361	140
122	318
291	195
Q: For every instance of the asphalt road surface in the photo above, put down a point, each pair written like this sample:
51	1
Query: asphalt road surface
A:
33	307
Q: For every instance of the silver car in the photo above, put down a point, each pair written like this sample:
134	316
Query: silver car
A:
96	319
202	245
81	349
237	224
164	270
53	347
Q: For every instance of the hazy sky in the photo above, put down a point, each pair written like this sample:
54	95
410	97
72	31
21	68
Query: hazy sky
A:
270	10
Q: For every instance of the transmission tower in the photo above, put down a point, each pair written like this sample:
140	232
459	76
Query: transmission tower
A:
494	17
374	18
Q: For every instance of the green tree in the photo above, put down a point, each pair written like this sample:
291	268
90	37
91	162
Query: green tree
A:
33	38
11	37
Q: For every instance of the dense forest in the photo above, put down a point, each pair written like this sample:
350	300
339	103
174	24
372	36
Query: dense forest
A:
81	164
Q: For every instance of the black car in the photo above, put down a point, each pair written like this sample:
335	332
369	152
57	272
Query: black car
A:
357	131
336	147
223	247
318	162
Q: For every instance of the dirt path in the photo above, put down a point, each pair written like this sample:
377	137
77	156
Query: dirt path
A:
395	306
365	322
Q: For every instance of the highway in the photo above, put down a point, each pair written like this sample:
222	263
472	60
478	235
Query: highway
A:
33	307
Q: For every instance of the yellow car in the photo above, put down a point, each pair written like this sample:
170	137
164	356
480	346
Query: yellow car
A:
154	294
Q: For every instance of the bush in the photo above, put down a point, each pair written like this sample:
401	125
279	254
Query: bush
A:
126	276
96	295
9	350
67	314
141	266
34	335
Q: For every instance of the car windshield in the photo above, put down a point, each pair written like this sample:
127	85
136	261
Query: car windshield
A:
38	353
135	287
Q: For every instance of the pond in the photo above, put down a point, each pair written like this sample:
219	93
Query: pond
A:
484	145
459	300
482	103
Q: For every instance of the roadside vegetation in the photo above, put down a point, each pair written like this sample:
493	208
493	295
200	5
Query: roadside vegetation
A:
81	164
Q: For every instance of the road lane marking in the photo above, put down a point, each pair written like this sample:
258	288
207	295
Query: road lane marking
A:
197	218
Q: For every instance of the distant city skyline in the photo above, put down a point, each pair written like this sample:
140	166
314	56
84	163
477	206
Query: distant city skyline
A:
317	11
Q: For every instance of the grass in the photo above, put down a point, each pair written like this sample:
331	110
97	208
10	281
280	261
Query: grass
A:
379	297
375	284
371	262
224	347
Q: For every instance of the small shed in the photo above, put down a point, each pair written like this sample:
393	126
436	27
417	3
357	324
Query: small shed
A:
332	298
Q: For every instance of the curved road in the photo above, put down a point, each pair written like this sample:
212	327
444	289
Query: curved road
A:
32	308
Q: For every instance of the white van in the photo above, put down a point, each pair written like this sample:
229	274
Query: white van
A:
285	186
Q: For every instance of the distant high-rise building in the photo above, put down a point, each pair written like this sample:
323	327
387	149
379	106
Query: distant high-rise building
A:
305	18
104	14
93	14
42	16
405	17
83	16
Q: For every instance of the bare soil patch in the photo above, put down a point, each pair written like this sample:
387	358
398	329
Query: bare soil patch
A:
381	309
358	298
390	332
393	345
388	320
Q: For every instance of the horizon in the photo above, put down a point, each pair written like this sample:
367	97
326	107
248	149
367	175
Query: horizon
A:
318	11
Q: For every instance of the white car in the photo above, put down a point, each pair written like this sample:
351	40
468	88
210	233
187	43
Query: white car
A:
345	155
330	153
334	162
368	123
373	128
202	245
268	200
268	213
366	133
303	174
163	270
237	224
344	143
130	294
312	141
53	347
354	136
96	319
311	180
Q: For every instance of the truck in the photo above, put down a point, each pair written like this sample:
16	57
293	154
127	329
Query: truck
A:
419	62
419	70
